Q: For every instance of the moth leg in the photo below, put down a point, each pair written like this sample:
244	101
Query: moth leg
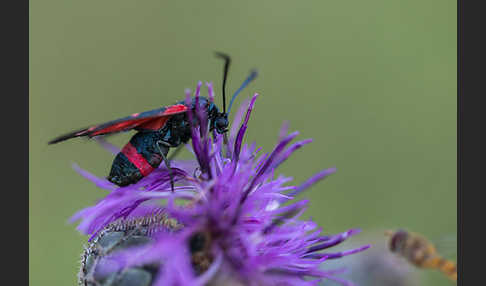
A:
166	146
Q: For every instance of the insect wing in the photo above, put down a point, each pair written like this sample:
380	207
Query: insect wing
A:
446	246
148	120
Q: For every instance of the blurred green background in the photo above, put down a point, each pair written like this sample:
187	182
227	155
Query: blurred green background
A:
372	82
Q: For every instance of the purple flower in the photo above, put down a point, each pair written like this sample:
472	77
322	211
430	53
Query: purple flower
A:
240	222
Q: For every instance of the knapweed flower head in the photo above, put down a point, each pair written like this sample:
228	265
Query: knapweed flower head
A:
238	223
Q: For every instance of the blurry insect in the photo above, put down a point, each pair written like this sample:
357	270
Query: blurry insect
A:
420	252
158	130
200	249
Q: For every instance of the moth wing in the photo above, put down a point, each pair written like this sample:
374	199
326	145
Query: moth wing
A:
148	120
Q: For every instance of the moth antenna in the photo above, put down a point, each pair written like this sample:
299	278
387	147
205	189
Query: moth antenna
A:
227	61
250	78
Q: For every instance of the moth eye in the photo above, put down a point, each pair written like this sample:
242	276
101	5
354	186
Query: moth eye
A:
221	123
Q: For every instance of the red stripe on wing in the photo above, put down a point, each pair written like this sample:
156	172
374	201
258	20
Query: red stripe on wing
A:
178	108
125	125
159	122
137	159
154	122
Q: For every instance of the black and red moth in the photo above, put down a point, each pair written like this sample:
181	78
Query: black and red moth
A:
157	131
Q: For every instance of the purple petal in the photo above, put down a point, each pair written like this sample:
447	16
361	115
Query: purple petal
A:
311	181
338	254
283	130
102	183
294	147
210	91
336	240
108	146
269	161
241	132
